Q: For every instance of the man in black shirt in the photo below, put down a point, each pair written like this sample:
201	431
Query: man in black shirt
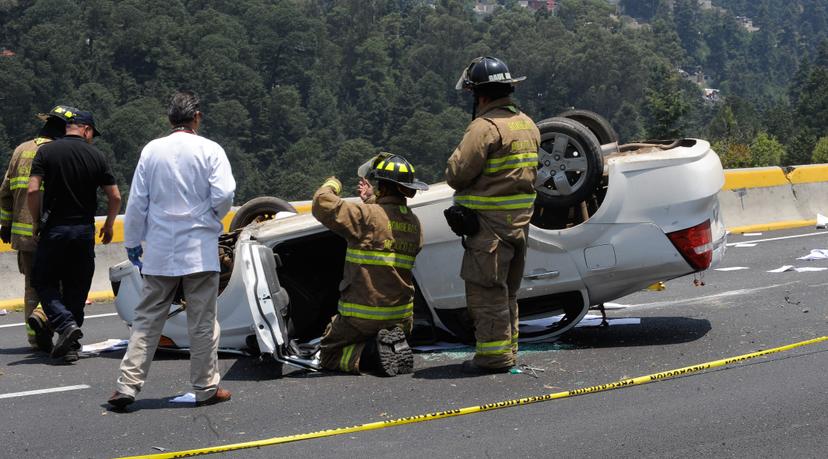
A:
71	170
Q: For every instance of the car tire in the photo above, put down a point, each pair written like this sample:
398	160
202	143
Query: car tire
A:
258	210
596	123
570	163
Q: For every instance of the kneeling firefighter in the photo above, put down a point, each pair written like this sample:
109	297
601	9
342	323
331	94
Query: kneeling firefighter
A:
376	302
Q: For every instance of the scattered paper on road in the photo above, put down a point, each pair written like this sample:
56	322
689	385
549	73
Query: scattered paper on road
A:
109	345
799	270
751	234
3	312
189	397
822	221
732	268
745	244
782	269
816	254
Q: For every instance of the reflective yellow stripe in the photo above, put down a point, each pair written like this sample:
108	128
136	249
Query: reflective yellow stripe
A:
512	202
333	184
376	312
511	162
5	215
22	229
347	351
375	257
494	347
16	183
40	141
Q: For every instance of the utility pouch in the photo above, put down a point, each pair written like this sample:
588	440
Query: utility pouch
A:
462	220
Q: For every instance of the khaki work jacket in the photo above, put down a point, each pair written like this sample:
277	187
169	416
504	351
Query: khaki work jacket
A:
493	169
383	240
14	210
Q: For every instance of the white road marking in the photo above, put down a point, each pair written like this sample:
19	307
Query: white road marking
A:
821	233
44	391
702	299
86	317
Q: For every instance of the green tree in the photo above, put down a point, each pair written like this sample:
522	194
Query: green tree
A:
766	151
820	154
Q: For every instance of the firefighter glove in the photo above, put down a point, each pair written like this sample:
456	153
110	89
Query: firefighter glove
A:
134	254
334	183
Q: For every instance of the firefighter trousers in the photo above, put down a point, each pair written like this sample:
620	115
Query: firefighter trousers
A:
493	269
345	339
25	263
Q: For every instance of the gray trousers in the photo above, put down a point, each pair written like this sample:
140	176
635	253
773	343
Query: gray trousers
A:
200	291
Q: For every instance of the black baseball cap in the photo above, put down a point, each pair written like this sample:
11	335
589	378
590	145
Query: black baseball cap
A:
83	117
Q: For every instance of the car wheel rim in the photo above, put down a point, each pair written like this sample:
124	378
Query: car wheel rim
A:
562	165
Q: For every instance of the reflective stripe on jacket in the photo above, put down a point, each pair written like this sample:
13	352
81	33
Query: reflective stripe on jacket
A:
494	167
14	210
383	239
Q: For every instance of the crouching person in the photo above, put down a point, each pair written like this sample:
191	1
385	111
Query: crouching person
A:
376	302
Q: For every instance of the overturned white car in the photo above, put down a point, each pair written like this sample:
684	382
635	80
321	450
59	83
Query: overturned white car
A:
609	220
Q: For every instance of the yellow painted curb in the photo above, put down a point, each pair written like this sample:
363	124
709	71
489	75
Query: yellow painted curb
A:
95	297
759	177
772	226
809	174
118	228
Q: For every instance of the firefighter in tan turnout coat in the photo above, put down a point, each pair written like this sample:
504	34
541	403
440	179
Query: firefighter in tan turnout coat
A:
493	172
16	222
376	304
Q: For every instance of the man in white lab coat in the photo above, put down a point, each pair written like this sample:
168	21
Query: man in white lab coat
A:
182	188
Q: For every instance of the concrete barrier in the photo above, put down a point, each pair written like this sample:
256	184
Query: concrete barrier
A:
771	198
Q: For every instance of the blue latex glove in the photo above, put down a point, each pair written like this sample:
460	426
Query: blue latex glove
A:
134	254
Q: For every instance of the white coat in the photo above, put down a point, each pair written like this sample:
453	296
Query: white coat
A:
183	186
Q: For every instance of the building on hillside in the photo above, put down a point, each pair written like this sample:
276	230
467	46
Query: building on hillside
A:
484	7
747	23
535	5
712	95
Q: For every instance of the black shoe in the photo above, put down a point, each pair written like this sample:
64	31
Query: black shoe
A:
65	340
71	356
43	334
395	356
120	400
469	367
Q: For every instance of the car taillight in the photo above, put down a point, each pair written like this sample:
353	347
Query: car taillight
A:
695	245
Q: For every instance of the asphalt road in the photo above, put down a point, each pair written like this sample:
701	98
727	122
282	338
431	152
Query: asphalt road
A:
772	406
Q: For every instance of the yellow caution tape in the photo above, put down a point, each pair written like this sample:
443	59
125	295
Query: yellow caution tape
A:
484	407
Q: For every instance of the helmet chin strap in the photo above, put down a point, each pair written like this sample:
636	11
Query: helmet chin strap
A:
474	106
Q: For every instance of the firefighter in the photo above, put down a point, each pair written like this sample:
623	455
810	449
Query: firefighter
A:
16	222
493	172
376	308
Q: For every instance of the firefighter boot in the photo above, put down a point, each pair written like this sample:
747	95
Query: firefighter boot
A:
43	334
395	356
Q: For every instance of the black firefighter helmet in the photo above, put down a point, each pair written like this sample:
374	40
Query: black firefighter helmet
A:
486	70
392	168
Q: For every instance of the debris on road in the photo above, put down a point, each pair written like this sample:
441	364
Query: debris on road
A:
189	397
3	312
799	270
816	254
